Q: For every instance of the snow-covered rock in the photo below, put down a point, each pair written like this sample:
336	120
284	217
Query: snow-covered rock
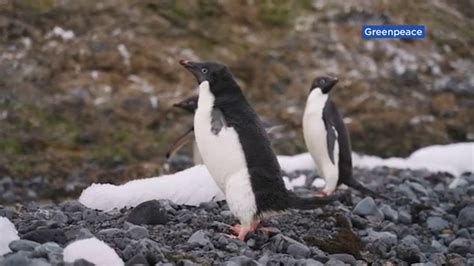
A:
8	233
92	250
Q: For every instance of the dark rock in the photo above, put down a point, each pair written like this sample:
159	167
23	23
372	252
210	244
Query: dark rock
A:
22	244
149	212
367	207
461	246
241	260
84	233
17	259
138	259
210	205
335	262
438	247
112	232
436	224
455	259
147	248
47	235
466	217
464	233
186	263
82	262
409	253
438	258
72	206
298	250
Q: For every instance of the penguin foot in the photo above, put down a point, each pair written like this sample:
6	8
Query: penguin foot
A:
234	228
230	236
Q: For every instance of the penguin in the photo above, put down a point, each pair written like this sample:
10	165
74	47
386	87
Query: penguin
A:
236	150
189	104
327	139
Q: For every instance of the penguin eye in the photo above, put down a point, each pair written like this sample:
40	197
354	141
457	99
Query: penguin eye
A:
204	70
323	81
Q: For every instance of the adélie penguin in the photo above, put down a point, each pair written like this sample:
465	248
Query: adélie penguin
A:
327	139
236	150
189	104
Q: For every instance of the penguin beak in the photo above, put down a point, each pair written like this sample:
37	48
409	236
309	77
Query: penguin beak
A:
333	81
193	68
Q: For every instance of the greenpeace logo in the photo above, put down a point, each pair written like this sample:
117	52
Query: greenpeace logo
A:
393	32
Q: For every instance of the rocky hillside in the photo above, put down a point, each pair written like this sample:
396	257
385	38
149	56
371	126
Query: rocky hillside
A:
86	88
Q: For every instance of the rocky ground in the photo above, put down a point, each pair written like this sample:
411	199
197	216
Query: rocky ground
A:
425	222
86	88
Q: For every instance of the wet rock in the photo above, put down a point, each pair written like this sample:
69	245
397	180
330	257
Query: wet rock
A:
22	244
149	212
436	224
461	246
367	207
47	235
466	217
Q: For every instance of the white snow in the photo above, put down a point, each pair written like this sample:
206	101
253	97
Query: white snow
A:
66	35
8	233
191	187
455	159
195	185
92	250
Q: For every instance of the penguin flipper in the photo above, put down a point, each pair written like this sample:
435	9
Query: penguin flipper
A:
331	137
351	182
217	121
180	142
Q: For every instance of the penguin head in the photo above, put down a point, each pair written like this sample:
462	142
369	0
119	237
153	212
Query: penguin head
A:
189	104
325	84
219	76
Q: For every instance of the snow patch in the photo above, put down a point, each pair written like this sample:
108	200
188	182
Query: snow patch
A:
92	250
8	233
191	187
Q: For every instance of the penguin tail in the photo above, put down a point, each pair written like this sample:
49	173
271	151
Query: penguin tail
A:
351	182
300	203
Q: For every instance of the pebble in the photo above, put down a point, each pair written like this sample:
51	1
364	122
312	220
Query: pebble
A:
137	232
466	217
436	224
461	246
389	213
22	244
200	238
149	212
367	207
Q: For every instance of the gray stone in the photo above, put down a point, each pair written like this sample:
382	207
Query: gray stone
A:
411	240
137	232
199	237
438	258
209	205
346	258
186	263
409	253
464	233
466	216
438	247
82	262
367	207
308	262
374	235
389	213
84	233
112	232
436	224
22	244
298	250
418	188
17	259
242	260
334	262
461	246
72	206
146	247
404	217
44	249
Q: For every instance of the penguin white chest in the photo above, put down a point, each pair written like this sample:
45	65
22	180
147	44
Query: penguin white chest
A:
315	136
223	155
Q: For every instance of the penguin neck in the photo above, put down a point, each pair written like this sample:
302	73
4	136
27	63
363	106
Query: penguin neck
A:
316	101
206	99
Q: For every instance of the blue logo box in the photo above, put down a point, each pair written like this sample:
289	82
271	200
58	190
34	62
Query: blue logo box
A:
393	32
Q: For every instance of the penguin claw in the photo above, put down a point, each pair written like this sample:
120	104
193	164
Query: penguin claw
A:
230	236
